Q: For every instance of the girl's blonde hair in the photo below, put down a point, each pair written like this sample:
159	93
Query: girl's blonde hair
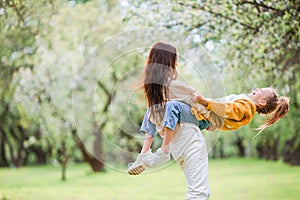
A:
275	108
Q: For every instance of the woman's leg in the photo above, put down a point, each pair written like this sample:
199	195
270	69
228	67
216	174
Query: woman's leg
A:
189	150
195	167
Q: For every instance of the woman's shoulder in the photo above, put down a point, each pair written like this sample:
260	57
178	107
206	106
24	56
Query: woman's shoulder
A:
179	83
181	91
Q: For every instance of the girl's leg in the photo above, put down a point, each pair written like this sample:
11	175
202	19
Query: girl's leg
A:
149	129
171	118
162	155
147	143
174	111
138	166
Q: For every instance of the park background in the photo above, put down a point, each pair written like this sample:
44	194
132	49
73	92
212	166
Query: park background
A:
46	152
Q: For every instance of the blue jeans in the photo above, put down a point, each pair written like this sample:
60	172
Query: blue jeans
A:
175	112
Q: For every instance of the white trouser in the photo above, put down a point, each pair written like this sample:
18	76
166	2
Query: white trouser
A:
189	150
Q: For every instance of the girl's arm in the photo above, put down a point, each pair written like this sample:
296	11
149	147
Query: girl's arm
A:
201	99
236	110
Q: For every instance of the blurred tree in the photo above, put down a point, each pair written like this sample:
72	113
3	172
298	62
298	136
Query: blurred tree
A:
20	22
45	44
62	48
47	90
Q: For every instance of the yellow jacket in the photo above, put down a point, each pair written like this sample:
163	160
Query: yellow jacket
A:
235	114
223	116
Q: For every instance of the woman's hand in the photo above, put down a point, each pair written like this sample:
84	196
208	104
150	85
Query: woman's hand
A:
201	99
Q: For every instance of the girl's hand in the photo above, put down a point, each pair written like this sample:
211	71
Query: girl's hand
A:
211	128
201	99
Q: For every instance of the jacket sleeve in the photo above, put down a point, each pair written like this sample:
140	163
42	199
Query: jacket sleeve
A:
235	110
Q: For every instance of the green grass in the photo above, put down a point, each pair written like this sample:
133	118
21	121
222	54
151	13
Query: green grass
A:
229	179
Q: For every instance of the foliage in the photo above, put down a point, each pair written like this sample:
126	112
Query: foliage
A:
48	87
20	23
45	44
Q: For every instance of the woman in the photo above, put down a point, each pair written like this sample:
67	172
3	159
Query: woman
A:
187	144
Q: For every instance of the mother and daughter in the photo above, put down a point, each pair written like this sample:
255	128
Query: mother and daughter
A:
179	113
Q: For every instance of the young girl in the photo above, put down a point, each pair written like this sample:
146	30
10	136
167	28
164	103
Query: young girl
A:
238	110
189	144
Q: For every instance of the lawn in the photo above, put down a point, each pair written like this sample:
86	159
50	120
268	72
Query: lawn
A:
231	179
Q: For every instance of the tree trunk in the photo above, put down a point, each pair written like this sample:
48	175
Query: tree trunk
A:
217	151
64	169
221	148
98	149
260	149
275	149
97	165
40	153
240	146
16	153
271	148
267	148
291	152
3	159
63	158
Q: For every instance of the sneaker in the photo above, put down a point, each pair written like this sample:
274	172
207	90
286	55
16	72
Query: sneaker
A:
138	166
157	158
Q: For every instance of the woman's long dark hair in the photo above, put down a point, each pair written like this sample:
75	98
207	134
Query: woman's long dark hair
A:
160	69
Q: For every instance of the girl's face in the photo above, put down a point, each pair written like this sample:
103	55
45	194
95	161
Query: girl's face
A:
260	95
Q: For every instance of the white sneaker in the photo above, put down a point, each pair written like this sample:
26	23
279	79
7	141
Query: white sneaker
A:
138	166
157	158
